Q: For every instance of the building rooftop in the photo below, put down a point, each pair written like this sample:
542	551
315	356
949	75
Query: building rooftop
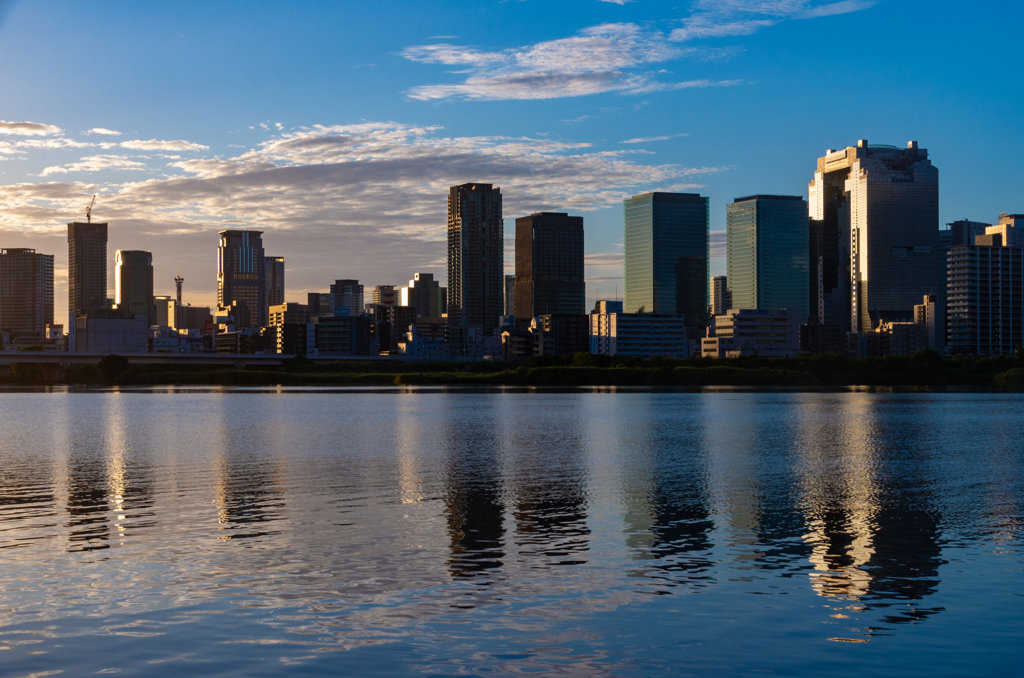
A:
769	197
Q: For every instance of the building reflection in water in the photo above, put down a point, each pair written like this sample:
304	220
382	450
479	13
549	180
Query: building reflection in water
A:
129	475
474	509
664	492
248	495
550	501
873	531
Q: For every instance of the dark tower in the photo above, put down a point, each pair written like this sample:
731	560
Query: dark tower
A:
476	265
87	266
549	265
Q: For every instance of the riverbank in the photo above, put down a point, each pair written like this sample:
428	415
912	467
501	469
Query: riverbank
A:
927	368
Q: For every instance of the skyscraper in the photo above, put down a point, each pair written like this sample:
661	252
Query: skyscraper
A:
666	256
476	263
133	284
26	293
87	266
887	199
274	280
241	278
549	265
347	294
767	241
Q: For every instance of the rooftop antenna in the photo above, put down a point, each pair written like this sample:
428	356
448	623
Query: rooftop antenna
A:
178	281
88	211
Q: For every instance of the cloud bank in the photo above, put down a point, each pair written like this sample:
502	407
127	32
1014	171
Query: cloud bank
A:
366	201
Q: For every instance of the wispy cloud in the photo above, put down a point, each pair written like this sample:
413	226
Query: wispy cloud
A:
609	57
644	140
96	163
157	145
28	128
104	131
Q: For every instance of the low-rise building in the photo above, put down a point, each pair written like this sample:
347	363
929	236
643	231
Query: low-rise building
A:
637	335
343	335
769	333
109	331
931	313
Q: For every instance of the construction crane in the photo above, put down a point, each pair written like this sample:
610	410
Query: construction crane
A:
88	211
178	281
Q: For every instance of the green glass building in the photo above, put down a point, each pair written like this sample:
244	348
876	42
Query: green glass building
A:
767	239
665	255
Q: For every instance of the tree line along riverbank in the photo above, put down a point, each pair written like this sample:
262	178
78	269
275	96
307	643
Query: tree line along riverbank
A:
926	368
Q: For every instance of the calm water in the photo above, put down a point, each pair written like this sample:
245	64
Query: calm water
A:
466	532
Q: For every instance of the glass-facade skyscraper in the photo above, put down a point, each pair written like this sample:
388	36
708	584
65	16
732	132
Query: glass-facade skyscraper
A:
767	243
665	254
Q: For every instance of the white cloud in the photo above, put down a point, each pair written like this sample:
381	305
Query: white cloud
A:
608	57
95	163
157	145
644	140
617	2
366	201
104	131
28	128
844	7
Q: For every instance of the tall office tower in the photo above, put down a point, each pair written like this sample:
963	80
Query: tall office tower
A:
425	295
666	256
510	295
26	293
87	266
241	278
347	294
385	295
133	284
829	271
476	256
767	249
719	295
888	199
549	265
273	276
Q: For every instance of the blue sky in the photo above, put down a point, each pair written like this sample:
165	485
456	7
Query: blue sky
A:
336	127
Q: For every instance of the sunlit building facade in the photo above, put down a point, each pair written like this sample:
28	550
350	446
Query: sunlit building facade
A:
888	200
133	284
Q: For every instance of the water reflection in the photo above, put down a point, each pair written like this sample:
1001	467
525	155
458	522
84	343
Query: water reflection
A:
667	515
474	509
505	532
873	534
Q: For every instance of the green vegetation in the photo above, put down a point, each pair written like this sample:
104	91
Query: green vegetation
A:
926	368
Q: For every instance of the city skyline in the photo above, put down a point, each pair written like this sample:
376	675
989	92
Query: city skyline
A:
315	167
